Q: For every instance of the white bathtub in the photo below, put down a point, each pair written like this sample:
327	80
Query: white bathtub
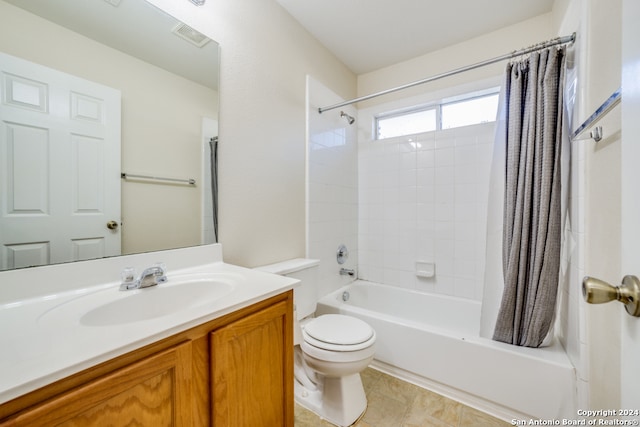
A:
433	341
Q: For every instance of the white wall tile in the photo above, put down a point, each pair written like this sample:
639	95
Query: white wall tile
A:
464	287
432	208
465	174
333	192
445	285
425	159
426	177
445	157
444	194
465	155
444	175
444	211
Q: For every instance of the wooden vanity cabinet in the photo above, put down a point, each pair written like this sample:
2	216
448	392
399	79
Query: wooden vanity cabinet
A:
154	391
249	362
236	370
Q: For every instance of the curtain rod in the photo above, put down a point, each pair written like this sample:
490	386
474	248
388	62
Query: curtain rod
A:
515	53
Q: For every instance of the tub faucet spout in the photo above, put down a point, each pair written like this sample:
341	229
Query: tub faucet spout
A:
347	272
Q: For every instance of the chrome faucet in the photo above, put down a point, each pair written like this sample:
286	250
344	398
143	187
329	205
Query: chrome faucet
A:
347	271
151	276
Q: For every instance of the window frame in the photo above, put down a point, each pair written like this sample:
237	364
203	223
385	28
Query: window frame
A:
460	101
470	96
405	112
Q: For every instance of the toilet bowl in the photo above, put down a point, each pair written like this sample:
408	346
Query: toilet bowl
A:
337	348
330	351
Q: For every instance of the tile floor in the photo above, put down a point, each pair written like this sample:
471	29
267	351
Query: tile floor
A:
395	403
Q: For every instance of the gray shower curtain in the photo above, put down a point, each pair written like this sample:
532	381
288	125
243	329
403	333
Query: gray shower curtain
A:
213	144
532	211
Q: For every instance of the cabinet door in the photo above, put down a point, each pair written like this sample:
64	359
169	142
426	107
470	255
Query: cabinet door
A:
155	391
252	363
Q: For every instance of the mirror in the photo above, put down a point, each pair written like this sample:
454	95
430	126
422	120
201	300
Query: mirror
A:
166	77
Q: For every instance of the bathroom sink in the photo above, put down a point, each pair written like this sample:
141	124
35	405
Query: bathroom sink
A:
112	307
157	301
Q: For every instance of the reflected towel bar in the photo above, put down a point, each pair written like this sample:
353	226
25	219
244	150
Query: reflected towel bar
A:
189	181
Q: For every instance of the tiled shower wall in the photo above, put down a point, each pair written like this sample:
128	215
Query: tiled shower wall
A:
332	180
424	199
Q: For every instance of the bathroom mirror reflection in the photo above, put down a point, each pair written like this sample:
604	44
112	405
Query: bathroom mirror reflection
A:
92	89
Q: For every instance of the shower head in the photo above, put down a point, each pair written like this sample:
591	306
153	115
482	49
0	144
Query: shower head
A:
349	118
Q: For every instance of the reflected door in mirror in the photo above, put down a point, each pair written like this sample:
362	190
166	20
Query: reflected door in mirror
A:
60	164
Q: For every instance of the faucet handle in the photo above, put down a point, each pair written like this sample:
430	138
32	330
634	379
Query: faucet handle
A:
128	276
161	274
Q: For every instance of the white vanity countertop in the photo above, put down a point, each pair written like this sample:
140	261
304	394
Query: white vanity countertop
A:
41	345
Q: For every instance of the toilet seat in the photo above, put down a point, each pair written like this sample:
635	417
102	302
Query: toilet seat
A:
337	332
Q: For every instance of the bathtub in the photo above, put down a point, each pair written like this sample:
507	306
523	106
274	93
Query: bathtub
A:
433	341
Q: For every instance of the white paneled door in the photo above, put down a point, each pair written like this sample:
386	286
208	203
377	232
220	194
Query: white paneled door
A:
59	166
630	348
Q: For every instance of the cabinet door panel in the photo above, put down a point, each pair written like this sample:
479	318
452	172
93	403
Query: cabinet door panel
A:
149	403
155	391
250	359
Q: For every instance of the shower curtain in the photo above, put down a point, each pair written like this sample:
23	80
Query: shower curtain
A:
213	144
531	226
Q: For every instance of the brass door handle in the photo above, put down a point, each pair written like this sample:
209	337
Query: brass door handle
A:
596	291
112	225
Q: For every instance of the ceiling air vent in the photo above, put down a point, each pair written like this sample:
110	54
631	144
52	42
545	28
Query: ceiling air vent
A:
189	34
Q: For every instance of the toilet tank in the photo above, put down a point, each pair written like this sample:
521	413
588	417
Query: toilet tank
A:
305	296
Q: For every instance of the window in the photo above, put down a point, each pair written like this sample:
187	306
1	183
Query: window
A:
406	123
469	110
472	111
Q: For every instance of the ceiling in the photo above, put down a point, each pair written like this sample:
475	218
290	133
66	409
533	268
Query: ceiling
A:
134	27
370	34
364	34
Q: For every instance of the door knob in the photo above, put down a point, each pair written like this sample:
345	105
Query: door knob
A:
596	291
112	225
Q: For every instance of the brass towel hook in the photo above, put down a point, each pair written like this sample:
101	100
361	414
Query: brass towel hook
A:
596	291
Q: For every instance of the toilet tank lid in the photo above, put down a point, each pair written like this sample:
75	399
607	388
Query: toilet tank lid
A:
289	266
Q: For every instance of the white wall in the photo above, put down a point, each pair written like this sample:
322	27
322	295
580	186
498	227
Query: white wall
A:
266	56
478	49
592	333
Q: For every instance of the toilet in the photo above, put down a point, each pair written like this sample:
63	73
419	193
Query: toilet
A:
330	350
